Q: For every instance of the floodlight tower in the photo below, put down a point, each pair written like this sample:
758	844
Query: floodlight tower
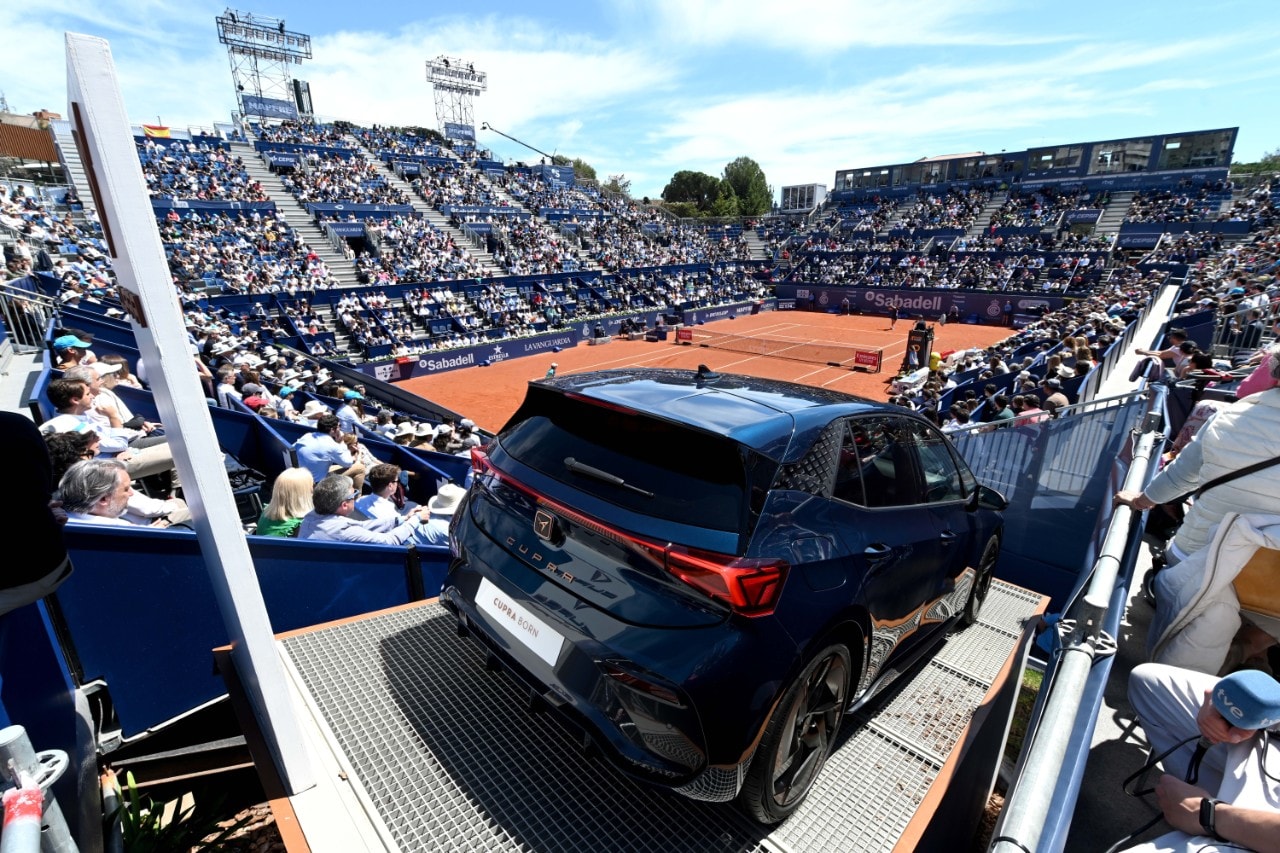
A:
456	84
261	50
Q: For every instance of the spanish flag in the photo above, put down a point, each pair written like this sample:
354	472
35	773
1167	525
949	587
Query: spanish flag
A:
155	131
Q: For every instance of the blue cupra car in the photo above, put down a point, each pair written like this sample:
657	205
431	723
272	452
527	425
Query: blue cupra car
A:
702	573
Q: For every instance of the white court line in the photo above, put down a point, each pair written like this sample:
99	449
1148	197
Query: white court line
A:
657	356
781	331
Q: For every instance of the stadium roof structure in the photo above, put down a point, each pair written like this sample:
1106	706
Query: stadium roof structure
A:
943	157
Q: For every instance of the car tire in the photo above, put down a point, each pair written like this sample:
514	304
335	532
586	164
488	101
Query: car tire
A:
981	582
799	737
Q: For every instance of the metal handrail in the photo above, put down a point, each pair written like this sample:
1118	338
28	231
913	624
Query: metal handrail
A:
1084	641
26	315
1099	375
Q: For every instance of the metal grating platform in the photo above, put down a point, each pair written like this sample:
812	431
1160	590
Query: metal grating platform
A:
445	755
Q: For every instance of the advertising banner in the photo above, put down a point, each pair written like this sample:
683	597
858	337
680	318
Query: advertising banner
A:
253	105
195	204
720	312
868	360
931	304
465	132
1083	215
1146	240
461	210
556	174
299	148
346	229
1133	181
429	363
360	211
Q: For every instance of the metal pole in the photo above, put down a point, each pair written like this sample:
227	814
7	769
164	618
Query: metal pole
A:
487	126
24	768
1023	819
22	808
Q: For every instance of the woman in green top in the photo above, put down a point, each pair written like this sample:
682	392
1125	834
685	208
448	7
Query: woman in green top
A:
290	501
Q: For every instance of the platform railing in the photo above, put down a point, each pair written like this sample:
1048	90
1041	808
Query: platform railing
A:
1039	805
26	314
1099	375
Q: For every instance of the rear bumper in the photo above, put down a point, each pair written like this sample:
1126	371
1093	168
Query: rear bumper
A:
602	696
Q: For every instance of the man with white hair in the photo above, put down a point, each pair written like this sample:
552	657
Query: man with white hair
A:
334	498
97	491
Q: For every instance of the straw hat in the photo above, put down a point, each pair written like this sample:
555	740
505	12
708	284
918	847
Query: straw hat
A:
446	500
314	409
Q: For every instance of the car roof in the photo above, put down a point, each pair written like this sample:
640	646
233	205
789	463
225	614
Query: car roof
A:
754	411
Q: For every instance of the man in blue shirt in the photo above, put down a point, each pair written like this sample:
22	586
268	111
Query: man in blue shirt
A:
323	452
334	498
348	416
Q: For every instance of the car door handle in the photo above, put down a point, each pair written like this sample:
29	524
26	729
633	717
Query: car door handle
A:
878	551
948	536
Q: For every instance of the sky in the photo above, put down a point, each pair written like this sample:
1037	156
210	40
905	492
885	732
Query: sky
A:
645	88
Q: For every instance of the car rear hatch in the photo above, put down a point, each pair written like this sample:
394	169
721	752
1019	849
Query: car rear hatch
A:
636	515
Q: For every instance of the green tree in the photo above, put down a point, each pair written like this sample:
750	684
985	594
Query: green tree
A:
582	170
1270	162
620	184
683	209
755	196
698	188
727	202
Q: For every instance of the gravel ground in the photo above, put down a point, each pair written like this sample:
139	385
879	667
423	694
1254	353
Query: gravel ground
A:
259	835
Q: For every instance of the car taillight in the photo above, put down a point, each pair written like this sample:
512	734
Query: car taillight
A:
483	467
480	463
751	586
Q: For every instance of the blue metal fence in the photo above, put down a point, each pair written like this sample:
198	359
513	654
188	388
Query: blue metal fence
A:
1055	474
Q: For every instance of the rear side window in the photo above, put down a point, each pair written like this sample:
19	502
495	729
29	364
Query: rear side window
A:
942	476
884	456
694	477
875	463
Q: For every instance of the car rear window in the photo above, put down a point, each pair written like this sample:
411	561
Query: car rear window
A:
695	477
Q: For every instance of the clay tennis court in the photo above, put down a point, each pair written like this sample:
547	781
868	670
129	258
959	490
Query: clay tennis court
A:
489	395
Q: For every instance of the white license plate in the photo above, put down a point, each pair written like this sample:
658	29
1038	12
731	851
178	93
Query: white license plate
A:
515	620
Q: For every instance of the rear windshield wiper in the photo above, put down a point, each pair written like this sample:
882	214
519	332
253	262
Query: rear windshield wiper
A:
603	476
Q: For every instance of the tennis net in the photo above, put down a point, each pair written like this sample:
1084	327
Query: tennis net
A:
829	354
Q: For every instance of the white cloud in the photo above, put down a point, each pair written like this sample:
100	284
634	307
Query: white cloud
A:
647	87
821	26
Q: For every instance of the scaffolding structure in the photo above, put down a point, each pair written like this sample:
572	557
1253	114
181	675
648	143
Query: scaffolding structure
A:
261	51
456	82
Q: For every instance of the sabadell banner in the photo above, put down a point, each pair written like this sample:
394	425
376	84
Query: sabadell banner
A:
931	304
407	367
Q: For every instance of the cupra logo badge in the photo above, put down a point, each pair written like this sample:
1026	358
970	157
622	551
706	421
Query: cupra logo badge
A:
544	525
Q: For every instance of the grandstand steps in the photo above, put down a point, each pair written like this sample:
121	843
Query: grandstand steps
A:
759	251
329	322
295	215
894	220
1238	195
1114	213
72	167
984	217
435	217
